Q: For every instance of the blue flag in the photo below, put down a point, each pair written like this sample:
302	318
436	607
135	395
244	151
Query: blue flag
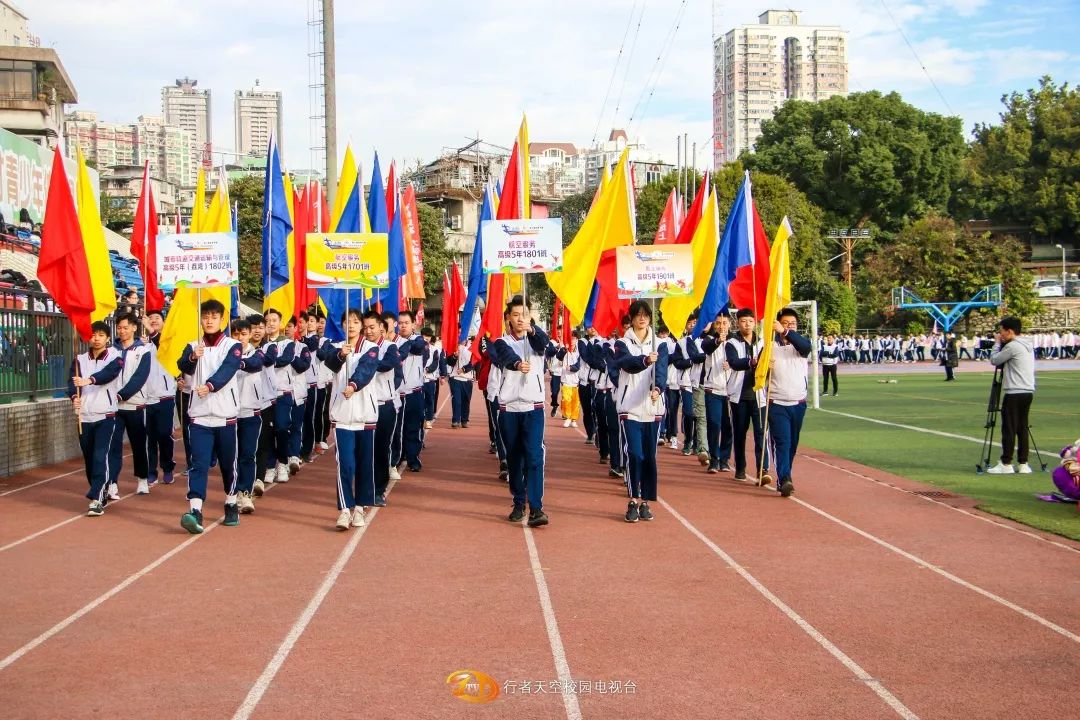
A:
333	298
733	253
234	306
590	309
477	279
391	295
276	225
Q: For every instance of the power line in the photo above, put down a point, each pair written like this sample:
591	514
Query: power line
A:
658	65
917	58
614	71
629	60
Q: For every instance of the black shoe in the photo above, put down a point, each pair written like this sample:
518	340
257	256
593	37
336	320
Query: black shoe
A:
380	501
414	468
644	512
537	518
740	474
713	469
553	411
465	424
604	460
590	441
455	426
687	451
613	473
632	512
232	515
504	471
491	449
786	487
192	521
517	514
306	459
724	467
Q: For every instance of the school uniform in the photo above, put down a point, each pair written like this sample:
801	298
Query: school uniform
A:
160	408
640	416
431	380
355	420
414	354
555	370
494	383
311	407
265	458
609	382
213	418
97	414
593	355
461	384
586	389
521	414
717	417
291	361
388	399
301	385
830	355
746	405
687	360
251	390
672	396
183	403
131	415
787	401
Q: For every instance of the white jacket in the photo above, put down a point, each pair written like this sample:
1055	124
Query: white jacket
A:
787	376
521	391
361	411
633	400
252	387
384	381
161	385
133	359
716	375
98	401
222	404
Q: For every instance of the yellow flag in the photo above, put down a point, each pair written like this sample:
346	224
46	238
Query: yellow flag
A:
703	244
525	169
198	212
182	324
284	297
777	296
610	223
97	252
349	182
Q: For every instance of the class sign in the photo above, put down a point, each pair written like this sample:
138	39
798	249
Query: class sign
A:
197	260
654	271
522	246
348	260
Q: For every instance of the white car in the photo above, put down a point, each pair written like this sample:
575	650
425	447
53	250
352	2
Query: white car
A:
1049	288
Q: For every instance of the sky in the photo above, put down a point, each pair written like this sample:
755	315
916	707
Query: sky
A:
417	78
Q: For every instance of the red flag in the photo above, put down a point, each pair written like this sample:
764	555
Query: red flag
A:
556	315
749	288
62	266
391	195
302	224
420	314
669	221
567	331
413	285
144	243
693	215
610	309
453	298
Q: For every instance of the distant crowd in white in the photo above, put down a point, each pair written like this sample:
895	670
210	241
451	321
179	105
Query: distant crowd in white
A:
864	349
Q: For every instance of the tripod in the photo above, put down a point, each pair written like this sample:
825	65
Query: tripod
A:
993	407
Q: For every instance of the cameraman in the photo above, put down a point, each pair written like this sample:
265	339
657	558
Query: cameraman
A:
1015	356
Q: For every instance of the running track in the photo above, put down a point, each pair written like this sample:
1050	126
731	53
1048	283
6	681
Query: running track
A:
854	599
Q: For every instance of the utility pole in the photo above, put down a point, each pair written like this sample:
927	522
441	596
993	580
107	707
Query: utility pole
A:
847	238
330	98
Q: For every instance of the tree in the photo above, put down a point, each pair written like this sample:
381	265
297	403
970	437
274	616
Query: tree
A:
1027	169
115	214
864	158
942	261
652	200
437	255
247	193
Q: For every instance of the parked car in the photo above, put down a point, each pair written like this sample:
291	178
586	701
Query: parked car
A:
1073	288
1049	288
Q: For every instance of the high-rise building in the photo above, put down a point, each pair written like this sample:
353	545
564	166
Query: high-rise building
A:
184	106
760	66
112	145
15	27
258	115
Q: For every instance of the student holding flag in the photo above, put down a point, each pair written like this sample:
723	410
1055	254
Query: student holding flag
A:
715	385
92	388
386	395
787	393
461	384
742	350
643	366
161	407
131	412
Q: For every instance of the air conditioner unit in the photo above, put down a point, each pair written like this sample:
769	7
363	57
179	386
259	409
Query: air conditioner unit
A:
455	222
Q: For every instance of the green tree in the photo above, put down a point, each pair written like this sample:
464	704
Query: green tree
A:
437	255
247	193
1027	169
572	210
941	260
864	158
115	214
652	200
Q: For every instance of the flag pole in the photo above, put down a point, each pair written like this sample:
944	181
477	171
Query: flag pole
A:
78	388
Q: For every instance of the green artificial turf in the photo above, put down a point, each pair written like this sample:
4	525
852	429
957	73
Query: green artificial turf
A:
926	401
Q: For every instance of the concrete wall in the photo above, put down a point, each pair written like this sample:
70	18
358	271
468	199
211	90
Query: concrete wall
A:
36	433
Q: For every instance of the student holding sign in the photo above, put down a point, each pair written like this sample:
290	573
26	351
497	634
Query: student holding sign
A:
643	366
354	410
520	354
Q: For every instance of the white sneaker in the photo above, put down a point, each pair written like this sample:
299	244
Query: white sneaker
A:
114	491
245	503
258	488
323	446
282	473
294	465
394	474
566	422
143	488
1023	469
573	423
358	516
343	519
1000	469
268	477
674	444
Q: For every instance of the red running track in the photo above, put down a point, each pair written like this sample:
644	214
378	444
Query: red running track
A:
853	599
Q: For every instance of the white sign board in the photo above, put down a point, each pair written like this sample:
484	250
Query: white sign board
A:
197	260
522	246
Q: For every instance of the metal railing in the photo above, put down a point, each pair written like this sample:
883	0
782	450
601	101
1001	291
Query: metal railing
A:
36	346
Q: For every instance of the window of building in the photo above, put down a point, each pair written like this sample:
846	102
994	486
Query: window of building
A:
18	80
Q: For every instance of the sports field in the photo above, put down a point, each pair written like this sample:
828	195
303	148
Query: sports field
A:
957	408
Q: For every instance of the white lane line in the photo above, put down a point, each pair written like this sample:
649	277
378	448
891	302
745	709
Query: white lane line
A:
42	482
262	684
942	572
880	690
558	652
963	511
58	525
916	428
60	626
